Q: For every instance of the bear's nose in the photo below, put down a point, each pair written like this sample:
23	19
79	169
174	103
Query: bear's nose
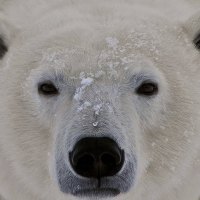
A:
96	157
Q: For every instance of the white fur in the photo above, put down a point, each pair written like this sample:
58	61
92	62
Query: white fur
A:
96	46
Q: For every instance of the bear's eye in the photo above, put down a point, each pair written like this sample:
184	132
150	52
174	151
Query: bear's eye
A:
47	88
196	41
147	89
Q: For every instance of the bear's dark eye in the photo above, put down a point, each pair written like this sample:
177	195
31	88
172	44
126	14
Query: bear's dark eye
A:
147	89
3	48
47	88
196	41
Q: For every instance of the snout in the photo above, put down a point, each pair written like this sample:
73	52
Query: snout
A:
96	157
94	167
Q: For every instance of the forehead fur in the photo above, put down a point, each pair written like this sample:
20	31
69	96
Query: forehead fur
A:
97	9
105	43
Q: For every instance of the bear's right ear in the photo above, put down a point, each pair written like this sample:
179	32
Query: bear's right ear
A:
192	28
7	34
3	47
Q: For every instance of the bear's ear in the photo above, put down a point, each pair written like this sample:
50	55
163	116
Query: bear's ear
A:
192	28
7	34
3	47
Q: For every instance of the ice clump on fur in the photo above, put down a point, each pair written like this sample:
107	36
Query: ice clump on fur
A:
118	54
97	108
95	124
85	82
84	106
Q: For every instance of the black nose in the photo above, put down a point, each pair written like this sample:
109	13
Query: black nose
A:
96	157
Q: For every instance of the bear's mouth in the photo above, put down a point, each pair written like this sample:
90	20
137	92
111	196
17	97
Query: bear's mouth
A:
98	192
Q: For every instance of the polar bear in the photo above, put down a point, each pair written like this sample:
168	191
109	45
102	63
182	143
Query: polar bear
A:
99	100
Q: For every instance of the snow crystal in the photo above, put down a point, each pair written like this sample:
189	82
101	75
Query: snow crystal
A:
153	144
162	127
189	141
126	60
82	75
166	139
78	187
112	42
126	68
56	57
98	74
95	124
172	168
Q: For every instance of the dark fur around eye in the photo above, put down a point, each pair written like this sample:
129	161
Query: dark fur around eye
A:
3	48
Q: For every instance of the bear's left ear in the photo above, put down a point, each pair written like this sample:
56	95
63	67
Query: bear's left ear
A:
7	34
192	28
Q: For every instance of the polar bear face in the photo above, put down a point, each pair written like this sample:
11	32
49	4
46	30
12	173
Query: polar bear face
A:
100	111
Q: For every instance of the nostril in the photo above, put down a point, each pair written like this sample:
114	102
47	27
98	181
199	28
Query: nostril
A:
85	161
82	157
108	159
